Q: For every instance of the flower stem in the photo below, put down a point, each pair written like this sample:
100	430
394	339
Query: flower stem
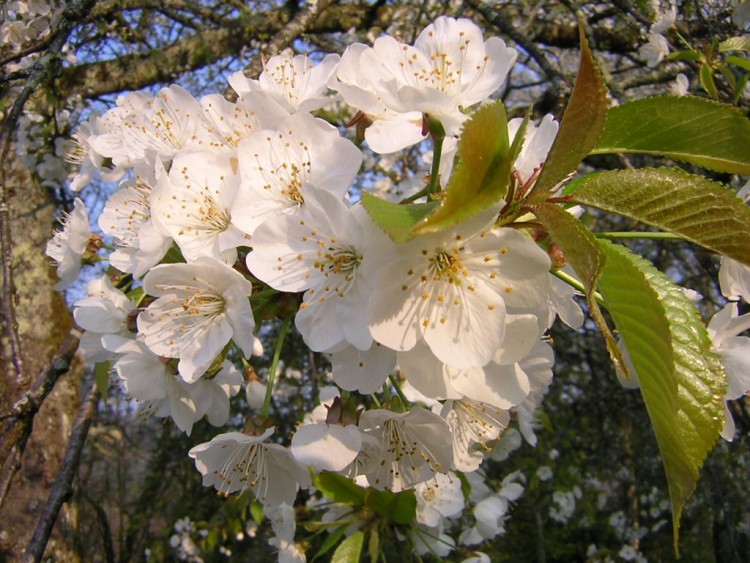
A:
638	235
437	132
571	281
275	364
400	392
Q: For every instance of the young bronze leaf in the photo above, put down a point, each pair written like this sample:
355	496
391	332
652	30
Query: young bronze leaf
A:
694	207
587	259
682	381
582	122
482	174
686	128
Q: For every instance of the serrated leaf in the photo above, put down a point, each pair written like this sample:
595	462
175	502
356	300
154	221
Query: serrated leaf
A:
399	508
482	175
350	549
583	253
686	128
682	381
694	207
741	62
395	219
339	488
741	43
582	123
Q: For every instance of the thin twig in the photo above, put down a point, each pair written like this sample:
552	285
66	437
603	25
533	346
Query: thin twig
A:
63	487
288	33
497	15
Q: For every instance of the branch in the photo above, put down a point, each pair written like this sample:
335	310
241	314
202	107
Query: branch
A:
63	487
498	16
299	23
163	65
21	417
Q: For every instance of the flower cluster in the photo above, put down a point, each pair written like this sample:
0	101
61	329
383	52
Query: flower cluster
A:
223	204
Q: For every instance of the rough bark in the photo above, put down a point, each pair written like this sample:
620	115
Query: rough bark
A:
43	323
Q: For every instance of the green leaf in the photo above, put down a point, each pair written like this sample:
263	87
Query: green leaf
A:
101	377
707	81
741	43
482	175
350	549
740	87
691	206
741	62
582	123
684	56
395	219
256	511
136	295
399	508
582	251
373	544
331	540
339	488
702	132
682	381
173	256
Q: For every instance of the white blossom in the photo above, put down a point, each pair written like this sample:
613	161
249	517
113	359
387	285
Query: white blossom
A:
234	462
453	290
413	447
66	247
200	307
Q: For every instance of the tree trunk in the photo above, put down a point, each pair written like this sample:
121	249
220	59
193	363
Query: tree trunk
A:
43	323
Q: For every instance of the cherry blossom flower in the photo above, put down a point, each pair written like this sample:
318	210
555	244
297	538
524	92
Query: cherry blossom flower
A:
224	124
658	47
234	462
106	310
201	306
295	82
537	142
283	524
194	204
364	371
386	130
449	68
168	124
725	328
319	250
413	447
140	240
153	382
90	162
472	424
66	247
501	382
326	447
453	290
438	499
277	168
